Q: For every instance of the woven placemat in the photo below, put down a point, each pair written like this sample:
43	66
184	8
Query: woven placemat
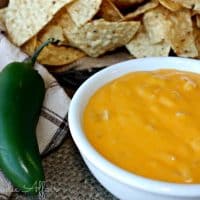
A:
67	177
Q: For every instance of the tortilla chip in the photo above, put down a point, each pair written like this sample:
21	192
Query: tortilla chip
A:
53	55
195	12
157	24
2	21
54	29
126	3
141	10
181	34
82	11
25	18
109	11
170	5
2	26
196	32
30	46
140	46
59	55
99	36
191	4
2	12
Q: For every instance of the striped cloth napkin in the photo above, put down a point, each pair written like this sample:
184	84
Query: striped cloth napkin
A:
52	125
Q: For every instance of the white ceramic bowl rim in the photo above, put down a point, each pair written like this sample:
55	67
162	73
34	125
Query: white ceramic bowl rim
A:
125	177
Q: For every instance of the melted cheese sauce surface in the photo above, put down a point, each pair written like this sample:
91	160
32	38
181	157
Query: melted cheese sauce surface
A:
149	123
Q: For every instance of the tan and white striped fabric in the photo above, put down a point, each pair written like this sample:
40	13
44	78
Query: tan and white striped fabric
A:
52	125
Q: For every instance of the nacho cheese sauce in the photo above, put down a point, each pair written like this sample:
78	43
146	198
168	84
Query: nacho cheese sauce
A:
149	123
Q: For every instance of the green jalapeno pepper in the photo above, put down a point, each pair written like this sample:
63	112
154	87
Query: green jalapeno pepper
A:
22	92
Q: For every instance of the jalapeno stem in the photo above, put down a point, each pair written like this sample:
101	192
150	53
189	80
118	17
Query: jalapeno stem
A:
41	47
33	58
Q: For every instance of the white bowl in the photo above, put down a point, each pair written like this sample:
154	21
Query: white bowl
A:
119	182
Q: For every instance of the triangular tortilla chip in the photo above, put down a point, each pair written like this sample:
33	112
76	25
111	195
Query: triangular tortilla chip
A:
191	4
82	11
127	3
141	10
140	46
2	21
53	55
180	35
157	24
99	36
25	18
2	13
109	11
171	5
198	20
197	39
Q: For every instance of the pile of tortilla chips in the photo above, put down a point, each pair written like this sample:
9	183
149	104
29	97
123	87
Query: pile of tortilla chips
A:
95	27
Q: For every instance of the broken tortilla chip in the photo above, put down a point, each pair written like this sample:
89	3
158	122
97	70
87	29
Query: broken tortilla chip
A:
24	18
82	11
140	46
99	36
